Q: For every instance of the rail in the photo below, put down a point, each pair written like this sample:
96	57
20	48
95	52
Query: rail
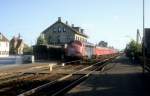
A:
34	90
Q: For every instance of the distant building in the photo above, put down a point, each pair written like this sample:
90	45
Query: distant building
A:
61	33
4	46
17	45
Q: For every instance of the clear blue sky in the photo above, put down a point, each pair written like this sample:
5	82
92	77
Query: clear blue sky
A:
114	21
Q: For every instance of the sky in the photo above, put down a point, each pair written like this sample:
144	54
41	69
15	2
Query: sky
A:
114	21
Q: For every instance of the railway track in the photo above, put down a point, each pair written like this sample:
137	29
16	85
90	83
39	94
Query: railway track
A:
13	85
64	83
45	70
38	83
18	86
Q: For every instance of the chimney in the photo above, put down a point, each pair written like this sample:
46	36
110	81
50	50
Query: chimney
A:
72	25
19	36
59	19
82	30
66	22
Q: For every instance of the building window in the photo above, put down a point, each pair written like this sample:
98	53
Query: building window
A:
58	41
76	38
49	40
59	29
6	44
54	30
64	30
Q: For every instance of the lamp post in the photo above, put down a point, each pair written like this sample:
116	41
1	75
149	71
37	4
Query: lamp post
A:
144	45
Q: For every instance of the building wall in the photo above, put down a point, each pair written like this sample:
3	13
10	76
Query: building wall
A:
147	42
4	49
61	34
80	38
58	34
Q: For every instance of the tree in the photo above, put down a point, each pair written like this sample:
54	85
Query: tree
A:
103	44
28	50
41	40
133	49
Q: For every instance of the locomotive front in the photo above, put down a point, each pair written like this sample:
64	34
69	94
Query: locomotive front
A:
74	50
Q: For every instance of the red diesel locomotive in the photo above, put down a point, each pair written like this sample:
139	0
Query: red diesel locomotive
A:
78	50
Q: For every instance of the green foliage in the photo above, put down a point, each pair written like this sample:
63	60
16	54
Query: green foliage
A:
12	50
41	41
103	44
133	49
28	50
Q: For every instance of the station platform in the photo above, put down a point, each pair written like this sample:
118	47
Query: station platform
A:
120	78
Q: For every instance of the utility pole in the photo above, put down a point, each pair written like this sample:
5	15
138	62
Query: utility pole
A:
144	45
138	37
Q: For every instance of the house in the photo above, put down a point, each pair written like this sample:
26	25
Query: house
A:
17	45
4	46
61	33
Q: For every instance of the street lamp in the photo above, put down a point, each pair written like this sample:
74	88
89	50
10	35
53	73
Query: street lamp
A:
144	57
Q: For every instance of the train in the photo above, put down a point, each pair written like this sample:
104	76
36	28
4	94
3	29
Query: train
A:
85	50
74	50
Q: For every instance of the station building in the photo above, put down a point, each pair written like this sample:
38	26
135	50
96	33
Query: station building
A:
4	46
61	33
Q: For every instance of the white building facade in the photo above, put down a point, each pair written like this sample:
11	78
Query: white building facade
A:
4	46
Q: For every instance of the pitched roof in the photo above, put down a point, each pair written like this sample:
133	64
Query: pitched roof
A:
19	42
66	26
3	38
75	30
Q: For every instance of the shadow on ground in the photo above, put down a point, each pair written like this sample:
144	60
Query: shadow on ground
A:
133	83
114	85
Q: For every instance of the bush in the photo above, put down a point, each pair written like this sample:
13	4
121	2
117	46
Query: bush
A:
133	49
